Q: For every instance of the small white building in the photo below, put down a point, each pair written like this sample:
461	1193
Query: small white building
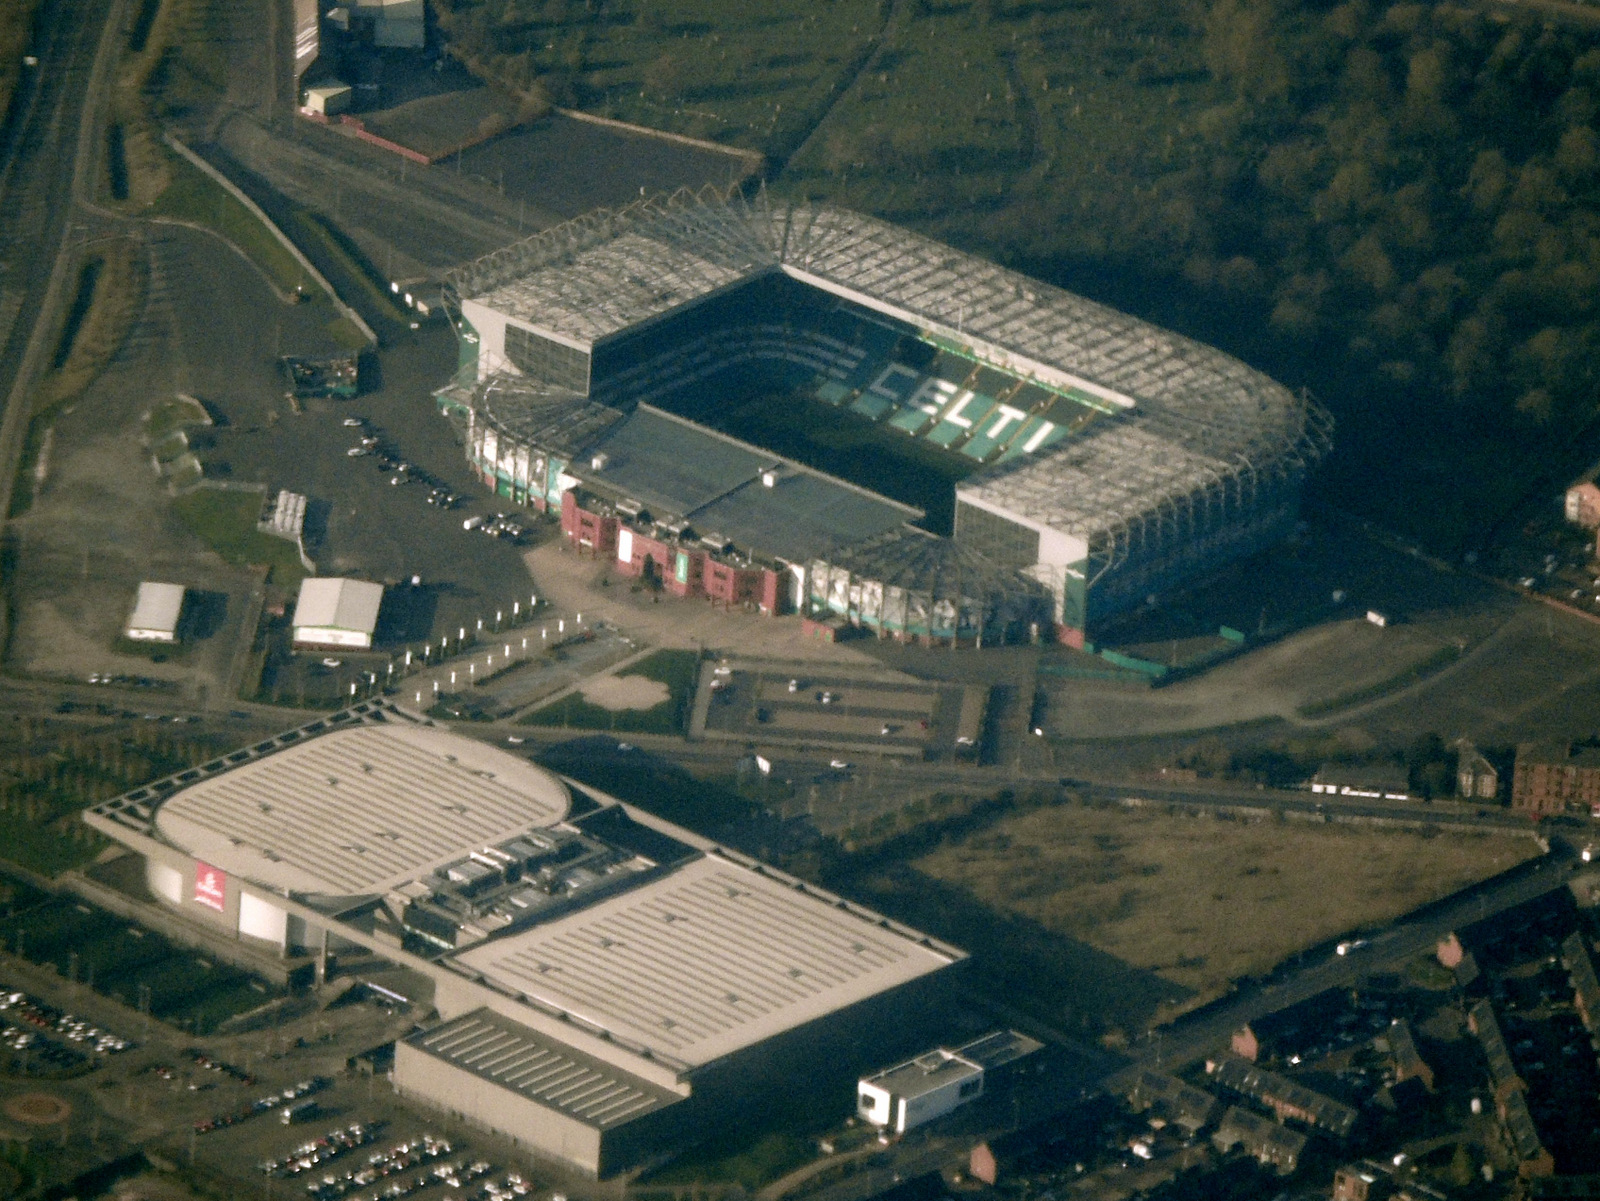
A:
905	1096
401	23
156	610
336	613
329	99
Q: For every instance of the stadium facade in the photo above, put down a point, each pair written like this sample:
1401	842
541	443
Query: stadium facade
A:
1096	459
607	987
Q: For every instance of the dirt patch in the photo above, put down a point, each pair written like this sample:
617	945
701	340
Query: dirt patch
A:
1204	901
619	693
37	1109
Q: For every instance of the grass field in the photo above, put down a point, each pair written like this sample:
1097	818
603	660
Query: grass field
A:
676	669
226	522
193	196
1202	902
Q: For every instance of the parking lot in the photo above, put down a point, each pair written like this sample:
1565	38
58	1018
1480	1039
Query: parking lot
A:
102	522
793	705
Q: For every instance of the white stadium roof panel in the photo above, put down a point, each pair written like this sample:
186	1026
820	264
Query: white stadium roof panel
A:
360	810
711	958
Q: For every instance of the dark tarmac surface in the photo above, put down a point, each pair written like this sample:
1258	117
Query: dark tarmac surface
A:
568	166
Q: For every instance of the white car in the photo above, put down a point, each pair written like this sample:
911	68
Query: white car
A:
354	422
838	765
472	523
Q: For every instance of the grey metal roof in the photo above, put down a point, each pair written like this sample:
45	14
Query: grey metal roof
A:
1194	419
681	470
1487	1027
1519	1123
708	959
506	1053
156	607
1272	1089
671	465
1580	971
801	516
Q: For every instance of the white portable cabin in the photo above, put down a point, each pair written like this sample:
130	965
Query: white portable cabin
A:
336	613
156	611
905	1096
329	99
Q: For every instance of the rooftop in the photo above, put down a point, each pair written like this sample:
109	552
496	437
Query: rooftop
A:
1487	1027
911	558
1261	1136
156	607
541	1069
1248	1080
707	959
327	603
359	810
1191	416
680	470
927	1072
551	417
1558	754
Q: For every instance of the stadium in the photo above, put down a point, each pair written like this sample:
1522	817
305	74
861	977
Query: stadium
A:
774	405
608	987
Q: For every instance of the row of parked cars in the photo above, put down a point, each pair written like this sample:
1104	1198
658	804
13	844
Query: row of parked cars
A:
262	1105
318	1151
497	525
371	445
397	1159
28	1011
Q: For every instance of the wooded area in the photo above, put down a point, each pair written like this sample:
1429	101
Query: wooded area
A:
1394	204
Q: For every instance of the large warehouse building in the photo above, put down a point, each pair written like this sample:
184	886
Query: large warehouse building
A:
1094	459
608	987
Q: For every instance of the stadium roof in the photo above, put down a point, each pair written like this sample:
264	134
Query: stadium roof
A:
706	960
332	604
359	810
918	561
671	465
679	469
545	415
1193	419
543	1070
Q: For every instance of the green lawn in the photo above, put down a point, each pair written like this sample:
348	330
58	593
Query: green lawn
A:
172	415
226	522
676	669
194	196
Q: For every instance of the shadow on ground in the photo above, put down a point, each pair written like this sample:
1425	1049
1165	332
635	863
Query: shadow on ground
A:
1017	962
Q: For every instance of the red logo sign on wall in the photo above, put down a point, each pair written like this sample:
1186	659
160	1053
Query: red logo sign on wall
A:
209	886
